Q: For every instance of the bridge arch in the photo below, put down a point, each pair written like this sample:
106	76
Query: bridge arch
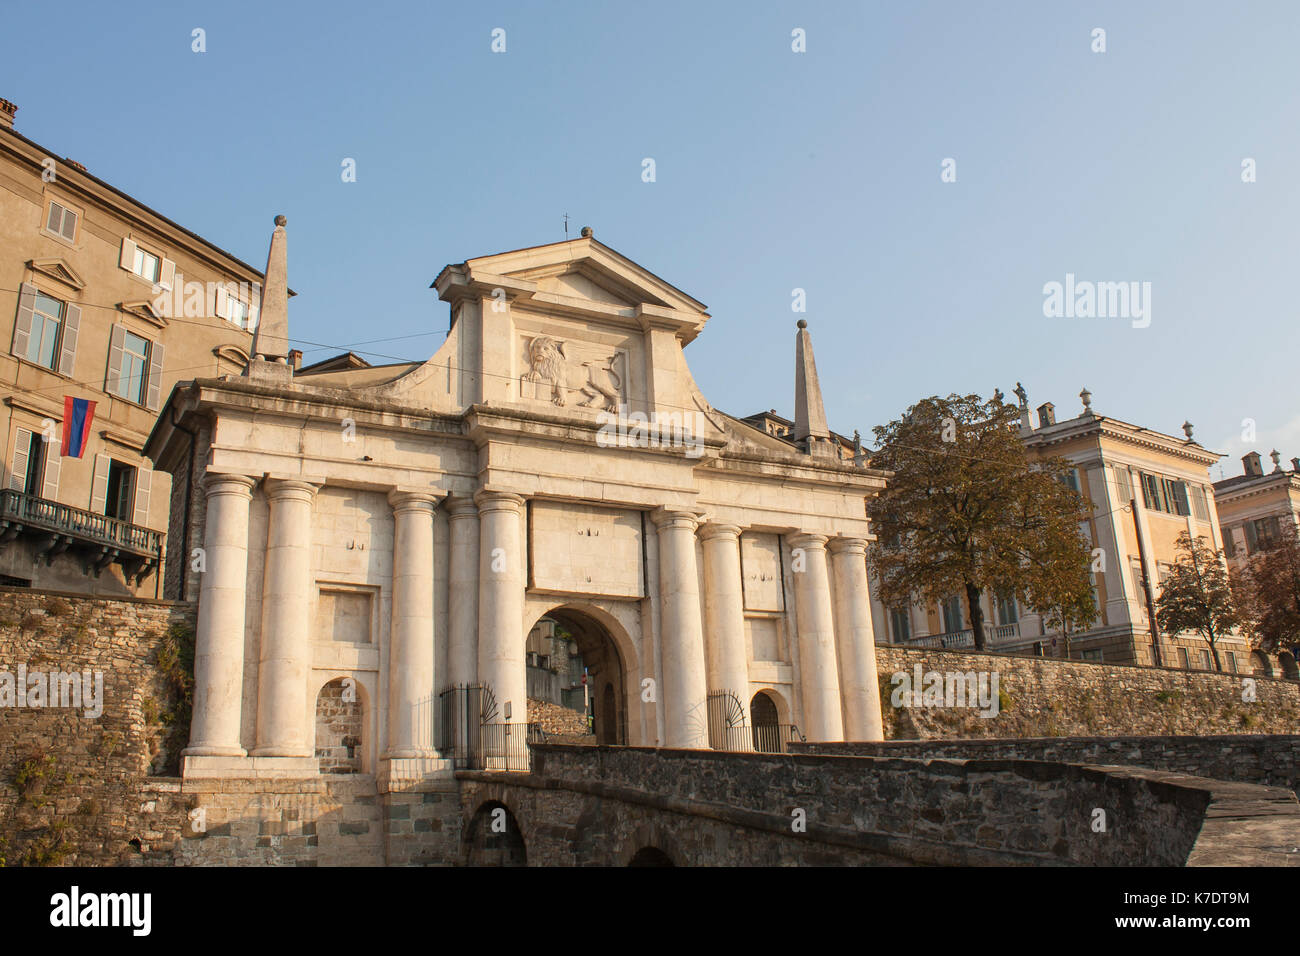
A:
493	837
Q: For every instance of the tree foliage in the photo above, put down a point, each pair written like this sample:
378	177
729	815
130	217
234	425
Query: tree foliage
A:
1267	593
1197	595
967	510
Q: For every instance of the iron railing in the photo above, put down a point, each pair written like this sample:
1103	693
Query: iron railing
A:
469	732
773	738
29	511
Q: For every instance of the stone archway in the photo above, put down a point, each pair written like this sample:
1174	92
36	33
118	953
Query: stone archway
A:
341	727
765	716
1286	661
493	837
650	856
567	645
1260	664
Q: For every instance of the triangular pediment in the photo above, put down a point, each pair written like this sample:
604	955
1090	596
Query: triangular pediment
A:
144	310
576	271
58	270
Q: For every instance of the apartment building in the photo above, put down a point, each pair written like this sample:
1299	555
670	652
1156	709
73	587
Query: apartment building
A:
1147	487
107	301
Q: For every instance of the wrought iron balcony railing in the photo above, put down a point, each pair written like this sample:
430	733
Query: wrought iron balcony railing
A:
62	527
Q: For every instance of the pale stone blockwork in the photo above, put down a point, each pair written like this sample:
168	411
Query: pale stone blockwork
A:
399	531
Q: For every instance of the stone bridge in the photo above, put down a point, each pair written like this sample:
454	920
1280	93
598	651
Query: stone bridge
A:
640	806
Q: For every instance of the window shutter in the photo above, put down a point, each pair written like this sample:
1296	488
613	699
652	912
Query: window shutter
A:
50	486
99	484
68	344
143	485
219	303
167	277
54	222
18	466
127	260
23	326
115	343
69	229
156	351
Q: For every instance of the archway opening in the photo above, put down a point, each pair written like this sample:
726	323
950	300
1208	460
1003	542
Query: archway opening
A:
650	856
493	838
340	725
1261	664
1289	668
766	721
576	679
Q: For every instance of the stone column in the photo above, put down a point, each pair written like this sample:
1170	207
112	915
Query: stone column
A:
818	673
501	641
285	655
856	642
219	641
462	589
410	656
724	614
684	695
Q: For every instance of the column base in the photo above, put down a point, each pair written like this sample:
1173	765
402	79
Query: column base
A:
213	750
196	767
402	770
272	750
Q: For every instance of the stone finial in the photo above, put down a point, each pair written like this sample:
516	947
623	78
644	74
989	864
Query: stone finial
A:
587	233
1277	460
810	428
1085	396
1187	430
281	221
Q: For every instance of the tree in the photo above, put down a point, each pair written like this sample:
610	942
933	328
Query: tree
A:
1197	595
1267	592
967	510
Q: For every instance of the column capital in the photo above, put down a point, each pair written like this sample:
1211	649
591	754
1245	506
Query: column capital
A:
402	500
498	501
848	545
809	541
292	488
665	520
457	507
715	529
217	483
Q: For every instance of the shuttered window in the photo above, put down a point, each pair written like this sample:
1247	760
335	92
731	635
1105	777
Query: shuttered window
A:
62	221
1200	507
134	367
24	467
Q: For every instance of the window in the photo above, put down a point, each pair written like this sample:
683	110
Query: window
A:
1167	495
1008	612
121	485
1229	545
952	614
1200	507
29	455
47	318
1139	594
1092	655
232	308
1071	479
1267	531
1232	661
147	265
900	625
1184	659
135	359
1206	662
61	221
1252	537
1124	483
238	312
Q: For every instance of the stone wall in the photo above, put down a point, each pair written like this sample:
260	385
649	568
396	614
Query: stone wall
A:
1045	697
600	806
1270	760
556	720
71	780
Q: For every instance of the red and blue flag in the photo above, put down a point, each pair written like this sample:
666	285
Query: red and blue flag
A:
78	413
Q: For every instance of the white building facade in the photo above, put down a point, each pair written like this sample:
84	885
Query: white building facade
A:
379	535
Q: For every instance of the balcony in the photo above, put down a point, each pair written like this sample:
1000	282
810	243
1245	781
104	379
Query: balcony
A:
994	636
98	539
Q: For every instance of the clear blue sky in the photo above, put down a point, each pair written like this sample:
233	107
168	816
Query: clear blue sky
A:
775	170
